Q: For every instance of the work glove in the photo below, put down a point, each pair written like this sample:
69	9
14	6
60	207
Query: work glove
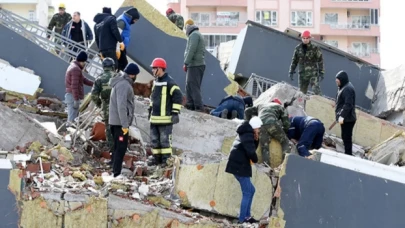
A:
124	130
118	53
185	68
175	118
341	119
76	104
291	76
101	56
122	46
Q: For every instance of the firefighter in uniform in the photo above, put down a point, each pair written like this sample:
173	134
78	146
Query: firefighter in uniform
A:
166	99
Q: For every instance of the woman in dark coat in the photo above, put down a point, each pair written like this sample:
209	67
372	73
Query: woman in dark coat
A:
243	152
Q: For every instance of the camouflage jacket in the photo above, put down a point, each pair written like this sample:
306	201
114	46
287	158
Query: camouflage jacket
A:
59	21
177	19
310	63
100	94
270	113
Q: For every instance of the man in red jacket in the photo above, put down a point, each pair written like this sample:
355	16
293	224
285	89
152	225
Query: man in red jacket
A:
74	81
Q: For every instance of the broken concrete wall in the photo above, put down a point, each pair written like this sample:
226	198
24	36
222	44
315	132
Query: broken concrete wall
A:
390	93
311	198
391	151
268	53
16	130
368	131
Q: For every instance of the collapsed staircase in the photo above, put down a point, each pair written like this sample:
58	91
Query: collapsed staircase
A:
60	46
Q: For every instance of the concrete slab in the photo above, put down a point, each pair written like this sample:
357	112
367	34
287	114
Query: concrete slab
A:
18	81
93	214
208	187
37	214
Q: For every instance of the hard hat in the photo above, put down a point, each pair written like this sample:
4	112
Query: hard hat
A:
62	5
108	62
159	63
169	11
276	100
306	34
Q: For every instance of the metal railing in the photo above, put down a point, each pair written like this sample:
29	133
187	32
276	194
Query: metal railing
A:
349	25
219	23
63	47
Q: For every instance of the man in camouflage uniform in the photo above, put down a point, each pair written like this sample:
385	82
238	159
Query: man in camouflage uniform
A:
275	126
310	60
100	95
59	20
177	19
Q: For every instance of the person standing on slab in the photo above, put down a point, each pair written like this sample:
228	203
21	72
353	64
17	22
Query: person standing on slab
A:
194	66
121	112
345	109
310	60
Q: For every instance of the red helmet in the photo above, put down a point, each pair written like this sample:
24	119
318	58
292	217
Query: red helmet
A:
159	63
306	34
276	100
169	11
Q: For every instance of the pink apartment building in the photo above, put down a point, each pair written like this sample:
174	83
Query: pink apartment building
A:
350	25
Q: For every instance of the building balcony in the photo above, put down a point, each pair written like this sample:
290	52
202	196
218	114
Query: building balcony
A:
352	4
371	56
233	3
217	27
349	29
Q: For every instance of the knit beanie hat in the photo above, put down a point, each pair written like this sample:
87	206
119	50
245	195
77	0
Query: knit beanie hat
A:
189	22
133	12
255	122
107	10
81	57
132	69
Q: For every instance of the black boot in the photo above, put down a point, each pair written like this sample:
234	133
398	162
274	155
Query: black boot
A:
156	160
164	159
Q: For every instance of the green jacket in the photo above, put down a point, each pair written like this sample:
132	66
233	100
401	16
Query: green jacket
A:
177	19
310	63
272	112
59	21
195	49
100	93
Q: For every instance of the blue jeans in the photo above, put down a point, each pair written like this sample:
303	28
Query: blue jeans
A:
72	112
311	138
248	191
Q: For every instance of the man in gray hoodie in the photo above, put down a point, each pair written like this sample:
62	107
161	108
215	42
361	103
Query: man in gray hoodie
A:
121	112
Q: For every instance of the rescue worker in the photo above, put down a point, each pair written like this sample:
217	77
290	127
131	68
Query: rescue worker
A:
345	109
100	95
165	106
275	125
74	81
125	21
307	132
78	30
59	20
107	35
175	18
310	60
232	107
121	112
194	66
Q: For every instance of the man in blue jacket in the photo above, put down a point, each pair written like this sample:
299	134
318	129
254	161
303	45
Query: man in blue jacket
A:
232	107
308	131
124	22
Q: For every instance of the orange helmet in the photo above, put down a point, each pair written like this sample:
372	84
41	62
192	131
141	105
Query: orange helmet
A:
276	100
159	63
306	34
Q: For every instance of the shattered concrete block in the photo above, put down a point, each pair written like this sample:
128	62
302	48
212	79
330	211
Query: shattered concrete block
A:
208	187
37	214
93	214
389	151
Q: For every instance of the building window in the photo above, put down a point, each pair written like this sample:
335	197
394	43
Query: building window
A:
333	43
227	18
268	18
331	18
360	22
31	15
360	49
301	18
201	19
374	16
212	41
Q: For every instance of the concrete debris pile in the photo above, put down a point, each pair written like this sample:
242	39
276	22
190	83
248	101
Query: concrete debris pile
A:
390	151
334	143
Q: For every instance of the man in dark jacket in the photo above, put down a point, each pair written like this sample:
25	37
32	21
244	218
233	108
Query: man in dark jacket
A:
165	106
308	131
194	66
78	30
243	152
125	21
121	112
74	81
232	107
108	36
345	109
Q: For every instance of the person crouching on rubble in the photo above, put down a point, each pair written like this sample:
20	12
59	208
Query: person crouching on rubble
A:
232	107
239	164
121	112
164	110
